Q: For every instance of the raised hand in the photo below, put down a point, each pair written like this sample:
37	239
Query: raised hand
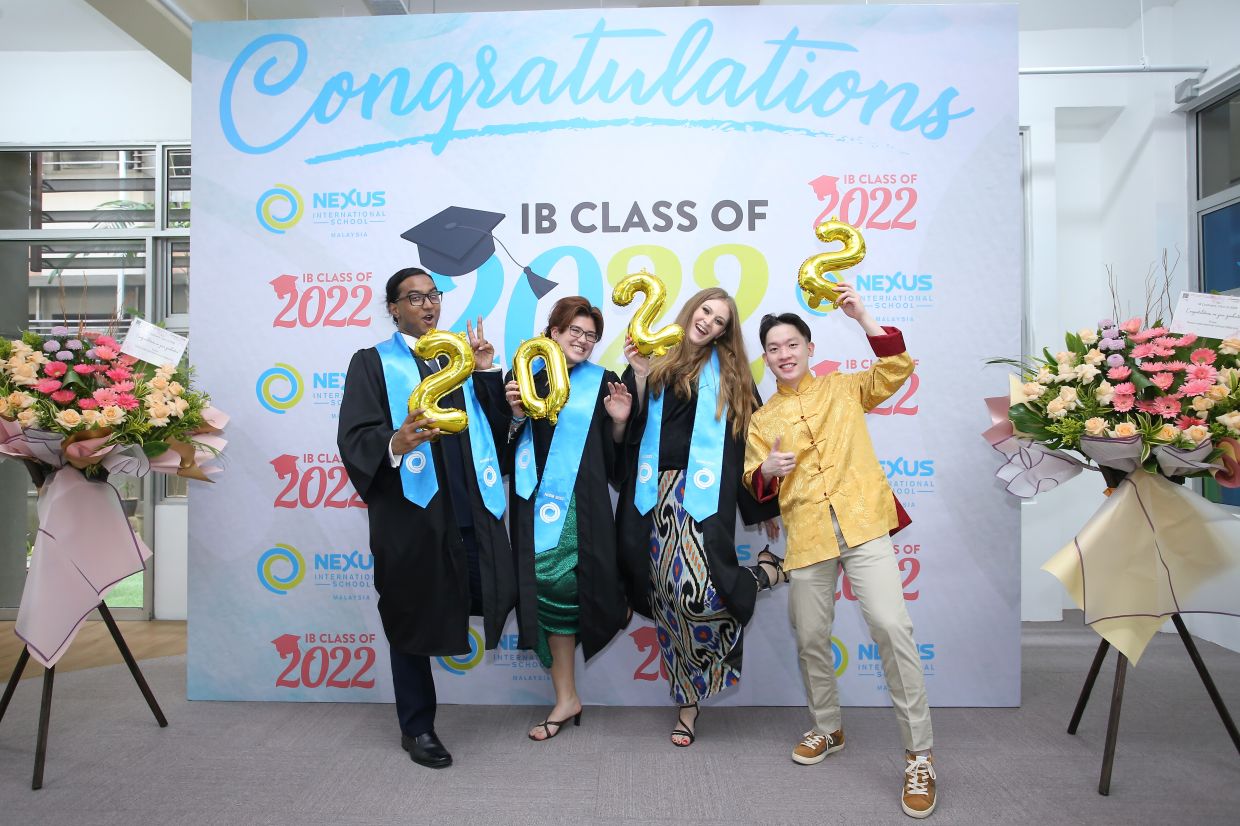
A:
512	392
618	402
640	363
484	351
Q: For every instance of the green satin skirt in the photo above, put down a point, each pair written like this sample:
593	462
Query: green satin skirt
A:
555	572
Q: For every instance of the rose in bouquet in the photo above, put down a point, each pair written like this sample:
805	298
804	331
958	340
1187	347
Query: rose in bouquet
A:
1130	396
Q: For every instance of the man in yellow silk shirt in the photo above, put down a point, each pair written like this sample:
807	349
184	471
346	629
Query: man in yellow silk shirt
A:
809	446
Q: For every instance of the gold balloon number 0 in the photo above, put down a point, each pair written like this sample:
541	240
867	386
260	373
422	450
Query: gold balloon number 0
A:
812	276
433	388
541	407
647	342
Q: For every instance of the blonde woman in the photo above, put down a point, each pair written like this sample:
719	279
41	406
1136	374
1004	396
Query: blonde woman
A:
677	512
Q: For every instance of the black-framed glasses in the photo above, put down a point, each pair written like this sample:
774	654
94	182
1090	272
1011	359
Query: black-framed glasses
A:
420	299
577	332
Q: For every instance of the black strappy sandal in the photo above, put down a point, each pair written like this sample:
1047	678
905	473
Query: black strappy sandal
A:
559	724
682	730
765	557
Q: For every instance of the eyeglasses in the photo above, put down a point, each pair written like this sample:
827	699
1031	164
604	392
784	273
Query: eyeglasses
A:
577	332
420	299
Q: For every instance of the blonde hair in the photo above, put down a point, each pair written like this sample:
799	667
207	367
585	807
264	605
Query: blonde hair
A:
679	369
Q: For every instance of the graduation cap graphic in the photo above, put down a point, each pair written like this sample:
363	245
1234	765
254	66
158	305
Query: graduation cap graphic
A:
457	241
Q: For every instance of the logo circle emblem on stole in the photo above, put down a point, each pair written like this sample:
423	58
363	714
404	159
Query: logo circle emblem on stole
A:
523	459
704	478
490	476
549	512
644	472
415	462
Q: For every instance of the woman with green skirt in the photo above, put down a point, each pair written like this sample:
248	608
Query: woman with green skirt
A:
560	511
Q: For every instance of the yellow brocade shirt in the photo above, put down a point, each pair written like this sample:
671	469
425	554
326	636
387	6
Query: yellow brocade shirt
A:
822	421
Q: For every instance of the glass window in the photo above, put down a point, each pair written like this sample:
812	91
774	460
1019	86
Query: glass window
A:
77	189
177	192
67	282
1220	249
1218	146
178	271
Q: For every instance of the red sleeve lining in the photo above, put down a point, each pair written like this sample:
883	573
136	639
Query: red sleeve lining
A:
891	343
764	489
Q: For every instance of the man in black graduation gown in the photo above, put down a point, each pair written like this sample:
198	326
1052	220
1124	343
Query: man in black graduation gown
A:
437	565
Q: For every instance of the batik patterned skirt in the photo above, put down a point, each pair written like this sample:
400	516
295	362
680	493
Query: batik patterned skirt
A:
697	636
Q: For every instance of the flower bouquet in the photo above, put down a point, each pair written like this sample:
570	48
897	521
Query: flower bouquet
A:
73	408
1129	396
1147	407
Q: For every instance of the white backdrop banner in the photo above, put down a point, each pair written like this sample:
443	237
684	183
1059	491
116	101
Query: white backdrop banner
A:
702	143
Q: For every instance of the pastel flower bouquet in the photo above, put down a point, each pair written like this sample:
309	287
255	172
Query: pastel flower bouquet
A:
73	409
75	398
1129	396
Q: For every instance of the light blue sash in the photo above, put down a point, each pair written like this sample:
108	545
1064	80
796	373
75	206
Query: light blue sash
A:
417	470
568	443
705	450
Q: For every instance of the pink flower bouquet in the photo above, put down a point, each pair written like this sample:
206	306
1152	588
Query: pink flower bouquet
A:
1129	396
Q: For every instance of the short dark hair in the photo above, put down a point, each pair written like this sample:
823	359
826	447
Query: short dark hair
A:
568	308
771	320
393	283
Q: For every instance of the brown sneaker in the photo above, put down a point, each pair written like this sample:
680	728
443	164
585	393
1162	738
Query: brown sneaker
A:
919	779
815	747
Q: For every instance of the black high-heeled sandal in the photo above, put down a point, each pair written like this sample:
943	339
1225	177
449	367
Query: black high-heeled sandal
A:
765	557
683	729
546	726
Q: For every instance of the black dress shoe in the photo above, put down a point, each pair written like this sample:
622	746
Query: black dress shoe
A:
426	750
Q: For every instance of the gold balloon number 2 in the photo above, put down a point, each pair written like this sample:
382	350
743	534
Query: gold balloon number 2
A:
812	276
539	407
433	388
749	290
648	342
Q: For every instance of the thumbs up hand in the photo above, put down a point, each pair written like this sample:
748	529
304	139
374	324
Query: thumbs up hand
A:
778	463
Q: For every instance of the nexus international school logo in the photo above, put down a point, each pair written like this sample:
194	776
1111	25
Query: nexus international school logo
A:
280	208
279	388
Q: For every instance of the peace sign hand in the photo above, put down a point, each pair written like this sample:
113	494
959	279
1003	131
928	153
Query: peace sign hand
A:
484	351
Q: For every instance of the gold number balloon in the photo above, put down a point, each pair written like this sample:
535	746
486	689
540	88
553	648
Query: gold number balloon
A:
655	291
813	274
427	394
557	377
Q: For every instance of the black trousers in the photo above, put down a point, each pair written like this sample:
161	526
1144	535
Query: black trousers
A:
413	683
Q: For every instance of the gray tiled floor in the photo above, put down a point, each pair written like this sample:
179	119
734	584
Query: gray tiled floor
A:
242	763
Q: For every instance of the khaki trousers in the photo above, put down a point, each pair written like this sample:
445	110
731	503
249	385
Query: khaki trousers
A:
876	581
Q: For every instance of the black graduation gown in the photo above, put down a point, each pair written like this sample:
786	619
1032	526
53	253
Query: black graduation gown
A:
735	586
600	590
421	569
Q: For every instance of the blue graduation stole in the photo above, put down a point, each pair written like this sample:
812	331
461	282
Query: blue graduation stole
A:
705	450
568	442
418	480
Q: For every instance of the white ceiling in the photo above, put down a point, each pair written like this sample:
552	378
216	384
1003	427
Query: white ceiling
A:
72	25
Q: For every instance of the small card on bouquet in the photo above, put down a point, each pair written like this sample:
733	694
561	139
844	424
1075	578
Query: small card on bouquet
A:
152	344
1207	315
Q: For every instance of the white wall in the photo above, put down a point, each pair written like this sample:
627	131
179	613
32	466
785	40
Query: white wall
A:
91	97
